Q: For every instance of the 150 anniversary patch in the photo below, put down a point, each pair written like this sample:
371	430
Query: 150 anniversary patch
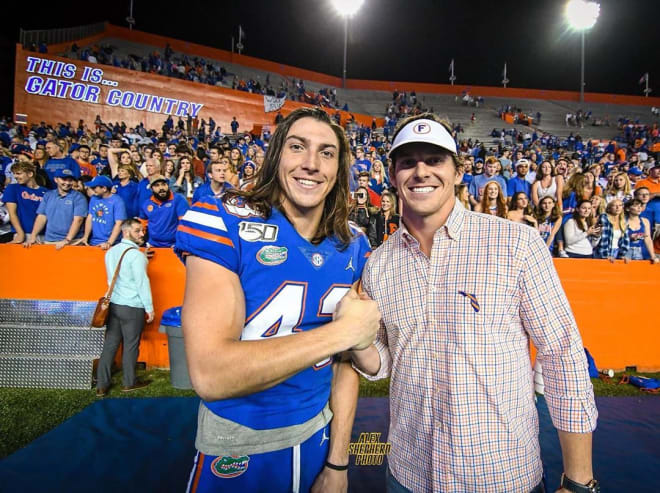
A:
252	232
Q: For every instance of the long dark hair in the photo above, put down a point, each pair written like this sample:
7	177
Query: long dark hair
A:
267	191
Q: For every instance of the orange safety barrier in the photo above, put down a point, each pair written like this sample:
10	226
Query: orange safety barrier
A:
421	87
220	103
612	303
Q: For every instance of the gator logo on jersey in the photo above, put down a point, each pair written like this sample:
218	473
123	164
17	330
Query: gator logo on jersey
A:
257	231
150	208
230	466
272	255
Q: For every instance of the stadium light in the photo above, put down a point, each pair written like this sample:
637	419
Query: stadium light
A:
346	9
582	15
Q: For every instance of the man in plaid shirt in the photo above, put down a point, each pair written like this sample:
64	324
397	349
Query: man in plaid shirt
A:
461	294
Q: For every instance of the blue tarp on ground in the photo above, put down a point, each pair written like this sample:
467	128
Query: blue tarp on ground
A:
147	445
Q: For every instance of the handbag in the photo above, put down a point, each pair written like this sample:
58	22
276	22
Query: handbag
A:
103	306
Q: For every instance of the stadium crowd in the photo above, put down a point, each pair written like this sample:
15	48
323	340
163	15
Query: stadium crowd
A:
74	184
198	69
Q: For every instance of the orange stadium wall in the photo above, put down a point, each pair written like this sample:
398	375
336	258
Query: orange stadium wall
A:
288	71
105	85
612	303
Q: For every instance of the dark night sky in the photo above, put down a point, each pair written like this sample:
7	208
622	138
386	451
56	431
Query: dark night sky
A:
397	40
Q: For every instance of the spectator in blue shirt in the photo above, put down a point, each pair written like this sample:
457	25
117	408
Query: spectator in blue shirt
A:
162	212
126	186
234	126
518	183
59	161
650	207
106	213
479	182
61	211
216	184
22	200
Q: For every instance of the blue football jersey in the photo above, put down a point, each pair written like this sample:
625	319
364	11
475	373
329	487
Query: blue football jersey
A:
290	286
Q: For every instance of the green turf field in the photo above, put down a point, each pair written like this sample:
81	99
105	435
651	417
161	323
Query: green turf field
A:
25	414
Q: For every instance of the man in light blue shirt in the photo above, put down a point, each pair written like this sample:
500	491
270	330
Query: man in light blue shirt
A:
61	211
129	303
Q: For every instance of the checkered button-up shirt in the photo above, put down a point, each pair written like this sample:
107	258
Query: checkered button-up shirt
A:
455	340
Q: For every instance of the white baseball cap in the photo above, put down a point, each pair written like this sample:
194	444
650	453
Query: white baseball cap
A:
425	131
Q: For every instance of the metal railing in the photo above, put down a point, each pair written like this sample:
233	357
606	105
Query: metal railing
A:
56	36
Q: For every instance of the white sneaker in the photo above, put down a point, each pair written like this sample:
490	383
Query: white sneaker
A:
563	254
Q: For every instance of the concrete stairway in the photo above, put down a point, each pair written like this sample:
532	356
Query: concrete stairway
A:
48	344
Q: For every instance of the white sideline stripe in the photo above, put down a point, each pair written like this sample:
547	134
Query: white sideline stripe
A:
192	473
205	220
296	468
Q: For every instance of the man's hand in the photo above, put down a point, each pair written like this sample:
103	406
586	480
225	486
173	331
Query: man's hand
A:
105	245
31	240
150	317
18	238
61	244
361	318
81	242
332	481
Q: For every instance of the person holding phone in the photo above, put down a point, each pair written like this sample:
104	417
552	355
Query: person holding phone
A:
581	232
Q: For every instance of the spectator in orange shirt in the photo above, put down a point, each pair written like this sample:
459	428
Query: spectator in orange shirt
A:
86	168
652	182
621	155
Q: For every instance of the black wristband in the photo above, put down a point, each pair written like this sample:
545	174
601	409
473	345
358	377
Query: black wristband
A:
336	468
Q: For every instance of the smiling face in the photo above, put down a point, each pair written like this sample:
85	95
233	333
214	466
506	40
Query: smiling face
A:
425	176
584	209
386	203
308	166
492	191
125	158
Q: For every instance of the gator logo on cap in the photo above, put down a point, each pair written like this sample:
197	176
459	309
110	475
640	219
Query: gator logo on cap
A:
230	466
272	255
422	128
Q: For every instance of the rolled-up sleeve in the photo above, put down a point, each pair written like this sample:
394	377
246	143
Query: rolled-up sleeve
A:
142	285
547	317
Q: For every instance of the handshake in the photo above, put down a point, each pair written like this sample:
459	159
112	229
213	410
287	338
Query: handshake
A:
358	317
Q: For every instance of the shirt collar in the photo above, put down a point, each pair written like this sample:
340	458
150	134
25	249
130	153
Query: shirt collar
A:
129	242
453	225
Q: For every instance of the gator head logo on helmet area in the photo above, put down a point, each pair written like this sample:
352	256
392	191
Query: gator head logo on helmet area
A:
230	466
